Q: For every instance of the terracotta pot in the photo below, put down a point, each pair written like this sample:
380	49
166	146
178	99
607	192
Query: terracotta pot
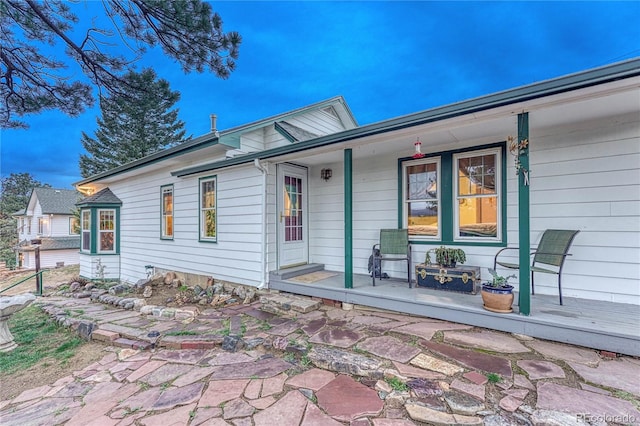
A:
497	299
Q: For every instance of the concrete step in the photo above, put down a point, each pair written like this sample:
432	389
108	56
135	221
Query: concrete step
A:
288	273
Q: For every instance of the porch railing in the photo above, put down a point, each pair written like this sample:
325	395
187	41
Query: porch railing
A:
39	283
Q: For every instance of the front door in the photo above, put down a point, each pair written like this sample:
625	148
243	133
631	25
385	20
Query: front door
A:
293	242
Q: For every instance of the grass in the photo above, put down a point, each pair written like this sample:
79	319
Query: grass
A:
182	333
397	384
494	378
38	338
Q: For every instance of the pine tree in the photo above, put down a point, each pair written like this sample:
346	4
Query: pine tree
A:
15	191
35	78
133	126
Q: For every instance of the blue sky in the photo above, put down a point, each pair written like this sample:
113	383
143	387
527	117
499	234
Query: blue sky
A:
386	58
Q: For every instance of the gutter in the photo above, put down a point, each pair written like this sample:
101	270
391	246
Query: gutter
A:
264	282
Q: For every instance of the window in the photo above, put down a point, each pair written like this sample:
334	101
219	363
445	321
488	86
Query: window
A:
106	231
477	199
422	198
29	224
167	212
208	224
42	225
454	196
86	230
21	225
74	226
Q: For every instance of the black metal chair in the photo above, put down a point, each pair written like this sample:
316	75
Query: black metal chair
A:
551	252
393	246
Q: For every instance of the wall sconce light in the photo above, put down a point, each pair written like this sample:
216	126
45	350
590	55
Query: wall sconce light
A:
418	145
325	174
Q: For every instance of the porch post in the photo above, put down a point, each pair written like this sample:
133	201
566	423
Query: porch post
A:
348	219
523	217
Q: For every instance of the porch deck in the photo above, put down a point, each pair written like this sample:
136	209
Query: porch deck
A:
613	327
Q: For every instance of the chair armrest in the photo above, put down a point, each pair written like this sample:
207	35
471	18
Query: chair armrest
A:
495	259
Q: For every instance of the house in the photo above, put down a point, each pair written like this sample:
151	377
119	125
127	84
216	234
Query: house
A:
49	218
311	187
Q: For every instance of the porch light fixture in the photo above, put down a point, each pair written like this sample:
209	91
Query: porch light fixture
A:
325	174
418	145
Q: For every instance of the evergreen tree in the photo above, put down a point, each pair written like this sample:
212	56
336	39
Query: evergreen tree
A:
133	126
35	75
15	191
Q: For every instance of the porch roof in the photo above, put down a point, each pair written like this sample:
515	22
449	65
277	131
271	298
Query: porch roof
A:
568	83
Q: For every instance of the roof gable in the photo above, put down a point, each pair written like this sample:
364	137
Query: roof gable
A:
104	196
52	201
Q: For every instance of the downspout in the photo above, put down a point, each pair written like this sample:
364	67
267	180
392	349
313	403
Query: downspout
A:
264	282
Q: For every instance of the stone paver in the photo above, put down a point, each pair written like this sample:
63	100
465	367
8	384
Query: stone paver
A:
313	379
327	366
619	374
567	353
541	369
390	348
337	337
426	329
434	364
486	339
473	359
287	411
552	396
345	399
220	391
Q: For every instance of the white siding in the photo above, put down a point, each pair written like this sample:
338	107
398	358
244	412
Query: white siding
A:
50	258
586	177
252	141
59	225
89	266
236	256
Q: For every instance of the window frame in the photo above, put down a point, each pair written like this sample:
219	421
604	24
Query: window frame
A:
456	194
40	225
201	220
447	196
405	198
163	216
84	230
100	231
72	219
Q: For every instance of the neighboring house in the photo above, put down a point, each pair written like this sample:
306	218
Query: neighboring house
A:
310	187
49	218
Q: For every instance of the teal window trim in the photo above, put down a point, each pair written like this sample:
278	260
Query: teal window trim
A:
446	216
116	244
202	239
164	236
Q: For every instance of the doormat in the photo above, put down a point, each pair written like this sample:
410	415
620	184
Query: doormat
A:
313	277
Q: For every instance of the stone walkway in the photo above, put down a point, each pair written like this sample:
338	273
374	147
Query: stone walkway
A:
295	361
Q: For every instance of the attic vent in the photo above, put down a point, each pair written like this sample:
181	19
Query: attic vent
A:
331	111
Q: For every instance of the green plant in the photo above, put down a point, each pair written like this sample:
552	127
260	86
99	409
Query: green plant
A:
397	384
305	361
181	333
494	378
498	281
265	326
445	256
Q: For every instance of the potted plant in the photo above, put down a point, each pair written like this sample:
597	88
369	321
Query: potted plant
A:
447	257
497	294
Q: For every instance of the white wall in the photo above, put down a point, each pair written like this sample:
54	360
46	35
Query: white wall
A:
236	256
587	177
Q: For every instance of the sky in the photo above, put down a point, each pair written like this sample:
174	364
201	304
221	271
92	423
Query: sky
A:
387	59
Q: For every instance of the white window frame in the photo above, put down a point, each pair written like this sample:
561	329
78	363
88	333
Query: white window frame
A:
71	220
40	225
498	194
202	210
163	214
84	230
405	197
29	219
105	231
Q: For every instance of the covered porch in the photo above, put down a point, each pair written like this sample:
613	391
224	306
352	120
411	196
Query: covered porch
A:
608	326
